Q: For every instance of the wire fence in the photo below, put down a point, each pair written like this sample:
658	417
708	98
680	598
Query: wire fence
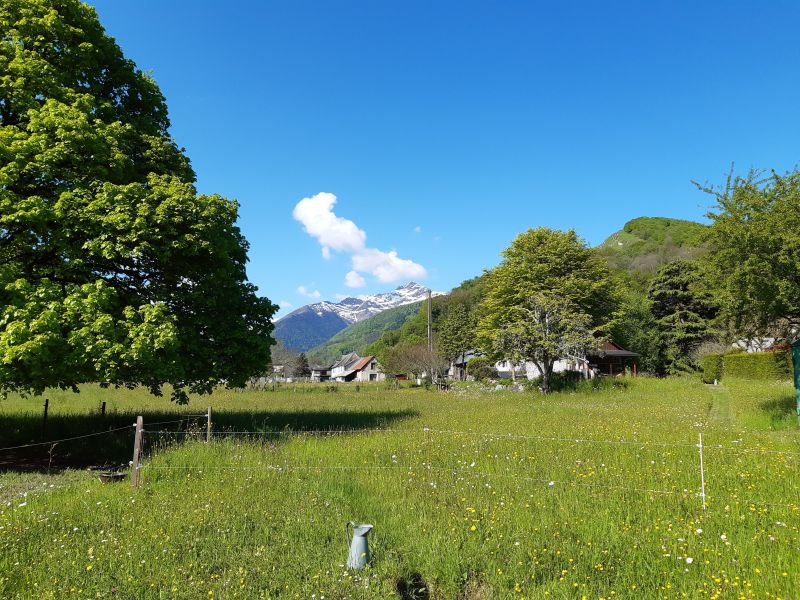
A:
479	455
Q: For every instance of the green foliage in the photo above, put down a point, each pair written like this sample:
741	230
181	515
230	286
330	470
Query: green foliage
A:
683	310
646	243
771	366
456	332
414	331
358	336
764	366
637	331
112	267
301	366
711	366
481	368
549	297
755	258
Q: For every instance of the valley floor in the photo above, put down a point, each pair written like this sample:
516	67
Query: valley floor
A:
473	494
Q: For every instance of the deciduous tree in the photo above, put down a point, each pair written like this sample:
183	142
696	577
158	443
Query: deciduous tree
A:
112	267
755	252
550	294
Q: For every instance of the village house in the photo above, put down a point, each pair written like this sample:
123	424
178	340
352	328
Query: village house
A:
608	359
352	367
344	364
320	374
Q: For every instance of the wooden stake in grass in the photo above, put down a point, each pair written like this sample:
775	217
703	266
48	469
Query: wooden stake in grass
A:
702	473
44	420
208	426
137	451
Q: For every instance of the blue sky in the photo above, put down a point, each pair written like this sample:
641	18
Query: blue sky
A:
443	129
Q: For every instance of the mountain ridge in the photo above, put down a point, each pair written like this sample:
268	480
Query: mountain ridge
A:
313	324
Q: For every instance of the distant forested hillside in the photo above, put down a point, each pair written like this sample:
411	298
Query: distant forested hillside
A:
645	244
415	328
306	328
356	337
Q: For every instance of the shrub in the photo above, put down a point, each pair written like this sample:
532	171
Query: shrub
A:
711	367
481	368
573	381
758	365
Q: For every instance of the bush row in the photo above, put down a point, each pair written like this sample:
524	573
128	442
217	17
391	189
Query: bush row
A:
751	365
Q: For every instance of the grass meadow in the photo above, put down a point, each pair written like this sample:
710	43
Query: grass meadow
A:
474	494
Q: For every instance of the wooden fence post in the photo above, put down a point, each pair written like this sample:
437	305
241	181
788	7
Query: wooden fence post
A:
137	451
44	420
103	409
208	426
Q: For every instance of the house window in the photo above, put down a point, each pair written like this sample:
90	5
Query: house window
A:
373	377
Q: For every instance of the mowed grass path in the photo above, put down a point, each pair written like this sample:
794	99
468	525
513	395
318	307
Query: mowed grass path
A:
473	495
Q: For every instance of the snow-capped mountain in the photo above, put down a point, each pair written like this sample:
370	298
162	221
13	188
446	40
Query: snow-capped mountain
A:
359	308
313	324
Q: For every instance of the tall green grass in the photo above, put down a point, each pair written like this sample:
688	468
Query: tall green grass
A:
473	494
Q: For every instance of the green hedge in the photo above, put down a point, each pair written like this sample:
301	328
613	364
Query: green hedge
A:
771	366
711	366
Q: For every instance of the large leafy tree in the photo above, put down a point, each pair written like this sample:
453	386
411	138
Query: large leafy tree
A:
550	294
112	267
755	253
683	309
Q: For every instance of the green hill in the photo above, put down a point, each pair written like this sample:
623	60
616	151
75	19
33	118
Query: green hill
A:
646	243
356	337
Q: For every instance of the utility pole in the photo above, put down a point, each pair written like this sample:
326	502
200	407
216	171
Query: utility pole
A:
430	323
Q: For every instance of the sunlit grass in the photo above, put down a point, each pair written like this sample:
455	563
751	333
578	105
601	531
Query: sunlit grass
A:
475	494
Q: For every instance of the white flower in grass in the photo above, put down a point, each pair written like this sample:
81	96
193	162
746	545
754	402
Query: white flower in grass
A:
689	560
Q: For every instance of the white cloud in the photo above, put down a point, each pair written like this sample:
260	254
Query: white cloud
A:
285	304
417	229
387	267
332	232
354	280
343	235
308	293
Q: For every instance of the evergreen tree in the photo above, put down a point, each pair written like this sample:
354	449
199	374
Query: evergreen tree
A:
456	333
683	310
301	368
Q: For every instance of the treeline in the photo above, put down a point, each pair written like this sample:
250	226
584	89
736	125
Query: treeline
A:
553	295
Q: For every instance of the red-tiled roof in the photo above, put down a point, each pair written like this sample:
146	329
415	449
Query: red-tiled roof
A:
362	363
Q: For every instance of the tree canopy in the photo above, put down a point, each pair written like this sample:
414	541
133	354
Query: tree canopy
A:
551	294
683	310
755	253
113	268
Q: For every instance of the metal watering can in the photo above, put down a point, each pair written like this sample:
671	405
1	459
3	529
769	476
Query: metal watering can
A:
358	557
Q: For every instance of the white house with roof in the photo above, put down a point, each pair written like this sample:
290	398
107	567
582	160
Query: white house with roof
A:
352	367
